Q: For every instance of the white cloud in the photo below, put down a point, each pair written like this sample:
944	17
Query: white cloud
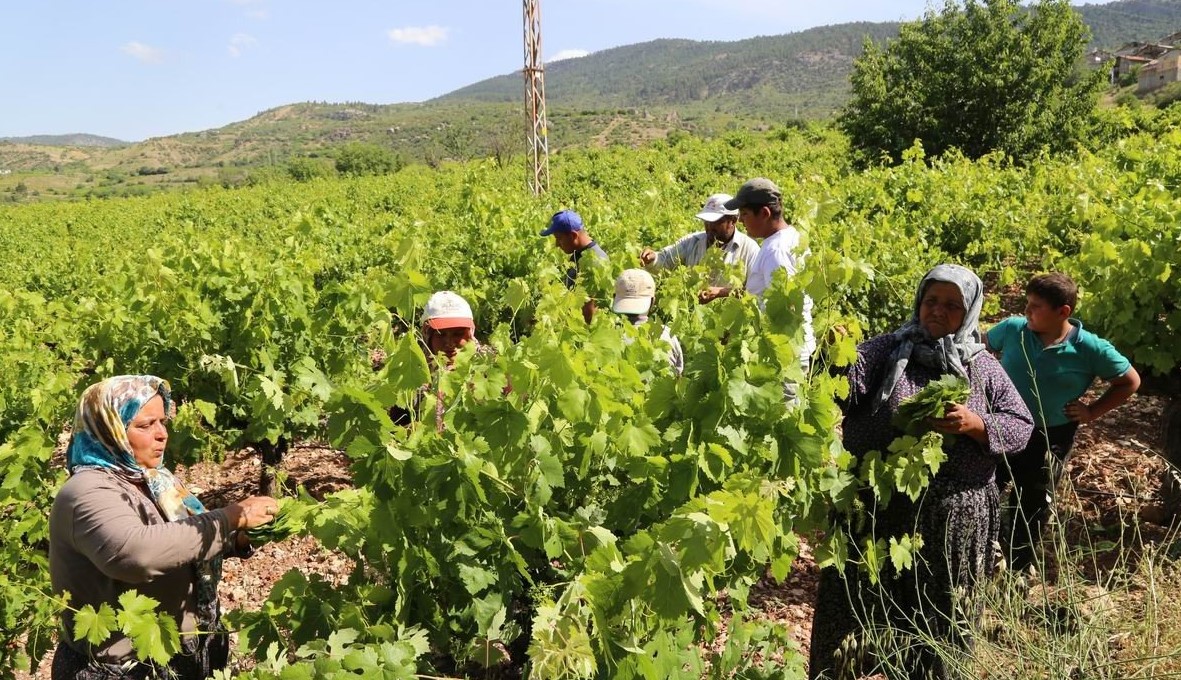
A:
426	36
145	53
258	12
568	54
239	42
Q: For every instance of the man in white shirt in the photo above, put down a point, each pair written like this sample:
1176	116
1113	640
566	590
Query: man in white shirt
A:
760	209
720	230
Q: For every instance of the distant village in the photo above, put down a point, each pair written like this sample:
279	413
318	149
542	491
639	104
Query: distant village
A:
1154	64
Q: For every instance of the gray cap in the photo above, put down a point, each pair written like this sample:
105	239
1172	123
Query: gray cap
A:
758	191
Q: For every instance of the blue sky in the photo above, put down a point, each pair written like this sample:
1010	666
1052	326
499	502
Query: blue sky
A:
134	69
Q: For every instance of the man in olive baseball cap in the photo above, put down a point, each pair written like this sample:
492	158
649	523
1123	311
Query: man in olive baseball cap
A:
760	210
757	192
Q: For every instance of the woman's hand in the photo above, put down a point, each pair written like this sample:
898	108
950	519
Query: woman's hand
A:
252	512
960	419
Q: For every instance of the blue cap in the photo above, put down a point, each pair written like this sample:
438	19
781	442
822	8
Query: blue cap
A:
564	221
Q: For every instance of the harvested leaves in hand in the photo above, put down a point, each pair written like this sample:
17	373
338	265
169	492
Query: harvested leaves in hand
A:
289	519
932	401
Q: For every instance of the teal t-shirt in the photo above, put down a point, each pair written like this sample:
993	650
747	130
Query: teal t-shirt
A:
1050	377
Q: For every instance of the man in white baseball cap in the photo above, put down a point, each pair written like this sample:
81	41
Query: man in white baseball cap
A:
447	323
720	231
447	326
634	291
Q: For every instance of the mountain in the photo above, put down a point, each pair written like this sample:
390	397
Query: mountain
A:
76	139
804	72
1115	23
808	69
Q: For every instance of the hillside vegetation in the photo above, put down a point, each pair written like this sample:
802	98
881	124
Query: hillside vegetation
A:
600	499
66	140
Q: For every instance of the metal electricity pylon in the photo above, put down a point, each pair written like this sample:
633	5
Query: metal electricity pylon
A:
535	99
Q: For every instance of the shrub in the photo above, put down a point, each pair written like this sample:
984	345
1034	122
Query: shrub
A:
358	158
306	169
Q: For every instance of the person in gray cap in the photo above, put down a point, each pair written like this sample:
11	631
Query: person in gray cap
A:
760	209
720	231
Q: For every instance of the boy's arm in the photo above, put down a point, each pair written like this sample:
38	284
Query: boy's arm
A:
1118	391
994	338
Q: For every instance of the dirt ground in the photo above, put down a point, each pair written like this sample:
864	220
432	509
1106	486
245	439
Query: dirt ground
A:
1115	471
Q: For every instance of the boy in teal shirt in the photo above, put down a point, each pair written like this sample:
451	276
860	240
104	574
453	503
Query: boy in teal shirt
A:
1052	361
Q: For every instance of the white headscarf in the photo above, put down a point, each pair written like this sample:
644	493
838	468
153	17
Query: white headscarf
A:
950	354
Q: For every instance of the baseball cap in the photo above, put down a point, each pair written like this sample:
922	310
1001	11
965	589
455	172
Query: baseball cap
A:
565	221
445	309
715	208
758	191
634	290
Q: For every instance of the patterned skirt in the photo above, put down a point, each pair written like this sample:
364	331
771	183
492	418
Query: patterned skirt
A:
913	623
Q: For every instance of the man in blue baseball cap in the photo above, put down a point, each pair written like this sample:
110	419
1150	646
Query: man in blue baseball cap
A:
570	235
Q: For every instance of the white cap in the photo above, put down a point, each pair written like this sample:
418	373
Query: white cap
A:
634	290
715	208
445	309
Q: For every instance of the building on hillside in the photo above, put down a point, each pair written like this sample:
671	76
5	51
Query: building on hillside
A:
1097	58
1135	54
1125	63
1159	72
1100	59
1173	39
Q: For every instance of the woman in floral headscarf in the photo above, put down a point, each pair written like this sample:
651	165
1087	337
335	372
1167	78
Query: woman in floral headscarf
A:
906	624
123	522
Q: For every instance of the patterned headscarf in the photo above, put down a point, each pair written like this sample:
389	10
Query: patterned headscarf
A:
950	354
100	441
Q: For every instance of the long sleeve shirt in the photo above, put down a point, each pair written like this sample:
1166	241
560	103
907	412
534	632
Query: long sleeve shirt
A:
106	536
690	250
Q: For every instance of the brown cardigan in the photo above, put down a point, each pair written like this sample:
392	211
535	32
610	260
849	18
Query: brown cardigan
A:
107	536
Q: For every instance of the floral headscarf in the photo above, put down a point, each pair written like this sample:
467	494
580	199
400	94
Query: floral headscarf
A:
950	354
100	441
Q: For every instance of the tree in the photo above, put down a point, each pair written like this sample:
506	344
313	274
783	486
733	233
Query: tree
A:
988	75
306	169
366	159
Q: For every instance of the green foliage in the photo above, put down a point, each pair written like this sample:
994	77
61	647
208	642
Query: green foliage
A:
982	77
358	158
307	169
1129	260
383	652
1167	96
543	492
153	634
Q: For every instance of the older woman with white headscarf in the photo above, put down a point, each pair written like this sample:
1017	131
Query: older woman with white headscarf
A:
905	624
122	522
